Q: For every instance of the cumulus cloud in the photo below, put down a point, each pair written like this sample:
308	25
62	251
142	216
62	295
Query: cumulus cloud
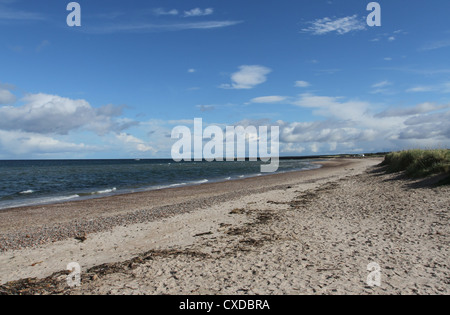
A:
131	143
6	97
51	126
429	126
26	143
328	131
248	77
51	114
355	126
339	25
333	106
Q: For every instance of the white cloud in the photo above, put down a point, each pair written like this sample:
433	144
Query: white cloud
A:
333	106
51	114
436	45
394	129
10	14
381	87
292	148
6	97
389	36
161	11
430	127
269	99
315	147
381	84
347	126
26	143
192	71
419	89
339	25
131	143
356	125
198	12
411	111
302	84
148	27
248	77
442	88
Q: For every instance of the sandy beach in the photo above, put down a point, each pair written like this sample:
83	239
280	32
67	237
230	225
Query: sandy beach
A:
310	232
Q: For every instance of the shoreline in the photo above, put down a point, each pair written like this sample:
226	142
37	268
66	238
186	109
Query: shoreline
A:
316	233
12	219
35	232
80	197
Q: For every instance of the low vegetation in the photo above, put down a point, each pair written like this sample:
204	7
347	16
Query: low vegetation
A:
420	163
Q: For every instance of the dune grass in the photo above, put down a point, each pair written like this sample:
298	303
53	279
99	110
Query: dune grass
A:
420	163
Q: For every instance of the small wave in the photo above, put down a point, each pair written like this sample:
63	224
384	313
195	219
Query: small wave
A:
177	185
99	192
201	182
241	176
106	191
56	199
165	186
38	201
27	192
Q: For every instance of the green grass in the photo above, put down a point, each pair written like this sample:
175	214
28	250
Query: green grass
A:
419	163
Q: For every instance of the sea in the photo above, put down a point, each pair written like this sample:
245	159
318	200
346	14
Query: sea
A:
40	182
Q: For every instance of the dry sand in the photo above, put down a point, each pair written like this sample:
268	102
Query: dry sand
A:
311	232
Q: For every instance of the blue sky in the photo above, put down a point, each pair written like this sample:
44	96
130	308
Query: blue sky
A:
116	86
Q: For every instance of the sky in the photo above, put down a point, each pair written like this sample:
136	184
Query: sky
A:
116	86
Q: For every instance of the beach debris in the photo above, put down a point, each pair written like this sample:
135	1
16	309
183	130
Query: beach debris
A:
238	211
56	284
277	203
238	231
81	238
203	234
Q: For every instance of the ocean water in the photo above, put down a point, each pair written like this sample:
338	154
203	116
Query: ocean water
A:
24	183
